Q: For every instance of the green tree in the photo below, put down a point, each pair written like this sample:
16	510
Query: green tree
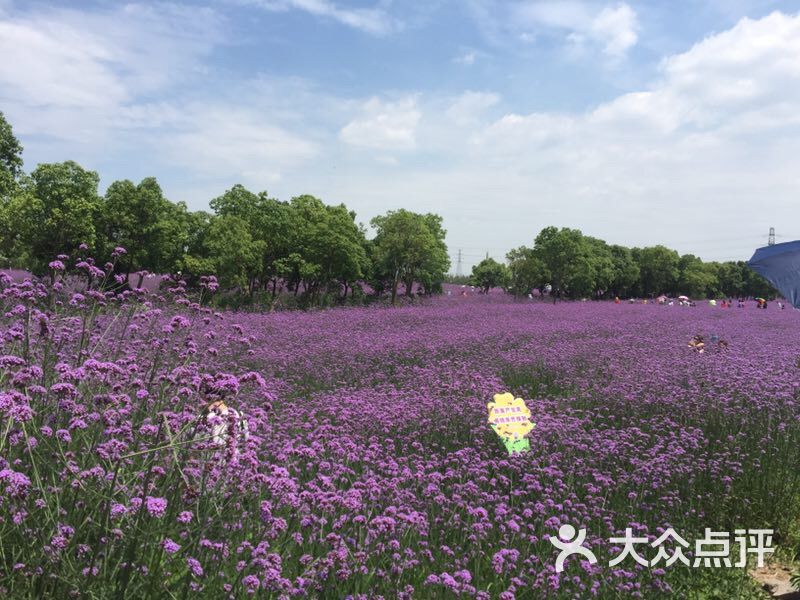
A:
16	220
731	279
330	244
697	279
431	272
237	202
626	271
276	227
526	271
659	269
65	207
173	232
603	271
139	218
409	247
196	259
234	254
19	221
567	255
242	204
10	159
489	273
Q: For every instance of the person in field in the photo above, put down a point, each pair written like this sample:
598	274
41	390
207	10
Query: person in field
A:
698	344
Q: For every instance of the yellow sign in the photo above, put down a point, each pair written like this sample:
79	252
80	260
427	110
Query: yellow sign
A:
510	418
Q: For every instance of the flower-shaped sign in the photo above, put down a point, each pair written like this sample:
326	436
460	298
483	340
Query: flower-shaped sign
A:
511	420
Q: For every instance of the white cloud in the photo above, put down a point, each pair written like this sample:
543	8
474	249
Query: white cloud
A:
615	28
56	65
384	125
470	106
582	24
466	58
710	147
73	70
750	73
83	83
234	142
375	21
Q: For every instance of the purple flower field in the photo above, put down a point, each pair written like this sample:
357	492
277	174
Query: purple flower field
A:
369	469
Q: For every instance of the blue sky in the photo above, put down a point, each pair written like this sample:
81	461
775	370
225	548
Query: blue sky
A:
638	122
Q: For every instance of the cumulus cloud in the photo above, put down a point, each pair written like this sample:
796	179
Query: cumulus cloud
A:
384	125
750	70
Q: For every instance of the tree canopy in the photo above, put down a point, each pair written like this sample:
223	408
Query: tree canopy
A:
579	266
10	158
489	273
408	247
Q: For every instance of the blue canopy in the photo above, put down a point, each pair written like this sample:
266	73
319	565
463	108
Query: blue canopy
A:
780	265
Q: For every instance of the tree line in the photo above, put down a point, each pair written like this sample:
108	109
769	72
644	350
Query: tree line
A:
255	244
573	265
262	247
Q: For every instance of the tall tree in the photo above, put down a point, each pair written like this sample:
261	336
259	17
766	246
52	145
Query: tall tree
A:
196	259
330	244
731	279
697	279
526	271
234	253
567	256
66	206
276	227
10	159
626	271
407	247
659	268
173	232
489	273
431	273
140	219
15	217
19	224
603	267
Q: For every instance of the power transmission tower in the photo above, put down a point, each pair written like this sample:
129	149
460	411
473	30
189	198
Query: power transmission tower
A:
771	239
458	265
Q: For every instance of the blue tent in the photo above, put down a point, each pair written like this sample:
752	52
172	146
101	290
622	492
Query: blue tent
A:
780	265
